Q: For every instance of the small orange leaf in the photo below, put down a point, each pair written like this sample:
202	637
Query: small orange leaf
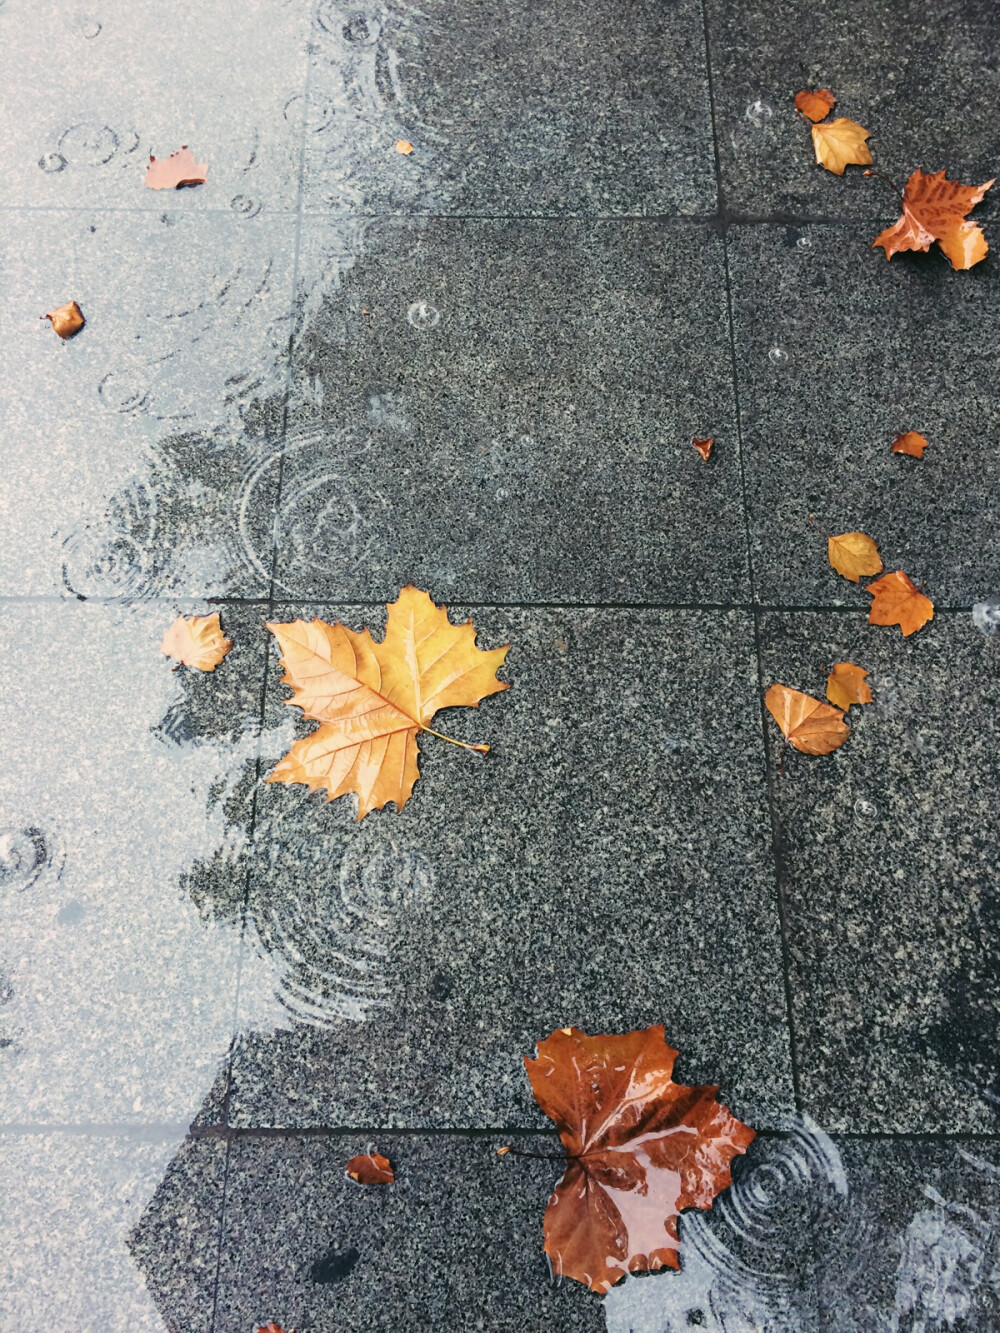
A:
846	685
404	146
272	1328
815	105
196	641
897	601
502	1152
912	443
807	724
934	209
704	447
67	320
370	1169
854	555
175	171
841	143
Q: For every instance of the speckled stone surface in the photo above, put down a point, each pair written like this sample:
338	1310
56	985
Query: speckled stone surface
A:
923	81
608	865
886	854
839	352
514	108
540	384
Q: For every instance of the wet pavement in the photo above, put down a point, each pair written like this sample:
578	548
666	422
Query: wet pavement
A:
334	369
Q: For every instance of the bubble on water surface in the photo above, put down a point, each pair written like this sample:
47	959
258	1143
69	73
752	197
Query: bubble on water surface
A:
422	315
777	356
986	615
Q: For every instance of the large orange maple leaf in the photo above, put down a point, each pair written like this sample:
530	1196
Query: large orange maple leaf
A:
934	209
639	1146
373	699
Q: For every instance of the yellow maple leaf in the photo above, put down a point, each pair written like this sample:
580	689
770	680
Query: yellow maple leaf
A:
196	641
854	555
840	143
846	685
373	699
806	723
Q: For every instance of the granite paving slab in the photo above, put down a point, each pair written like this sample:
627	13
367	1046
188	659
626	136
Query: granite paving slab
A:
889	877
839	352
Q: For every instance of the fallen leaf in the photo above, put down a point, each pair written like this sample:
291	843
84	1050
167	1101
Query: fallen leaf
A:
897	601
67	320
846	685
272	1328
640	1149
934	209
704	447
841	143
502	1152
912	443
370	1169
815	105
404	146
373	699
854	555
196	641
806	723
180	168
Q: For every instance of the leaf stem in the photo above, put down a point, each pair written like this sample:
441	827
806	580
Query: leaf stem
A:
477	749
539	1156
888	180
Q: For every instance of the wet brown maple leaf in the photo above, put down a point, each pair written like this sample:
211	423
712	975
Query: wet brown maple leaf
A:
841	143
373	699
854	555
815	105
807	724
912	443
175	171
898	601
640	1149
370	1168
846	685
67	320
196	641
704	447
934	209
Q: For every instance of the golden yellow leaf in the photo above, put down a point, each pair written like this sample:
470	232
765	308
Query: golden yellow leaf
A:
934	209
912	443
897	601
840	143
373	699
846	685
196	641
807	724
815	105
67	320
854	555
404	146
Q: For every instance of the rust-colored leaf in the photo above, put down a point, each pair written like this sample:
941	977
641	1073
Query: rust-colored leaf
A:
641	1149
807	724
815	105
175	171
912	443
370	1168
846	685
196	641
704	447
373	699
854	555
934	209
67	320
841	143
897	601
272	1328
404	146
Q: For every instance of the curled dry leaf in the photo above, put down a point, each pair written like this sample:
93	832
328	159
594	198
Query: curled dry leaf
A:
912	443
846	685
404	146
370	1168
704	447
373	699
175	171
934	209
640	1149
806	723
841	143
897	601
502	1152
196	641
854	555
815	105
67	320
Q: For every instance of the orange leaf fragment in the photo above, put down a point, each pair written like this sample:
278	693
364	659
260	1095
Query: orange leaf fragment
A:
898	601
502	1152
815	105
373	699
404	146
912	443
175	171
841	143
846	685
704	447
934	209
806	723
67	320
196	641
641	1148
854	555
370	1168
272	1328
